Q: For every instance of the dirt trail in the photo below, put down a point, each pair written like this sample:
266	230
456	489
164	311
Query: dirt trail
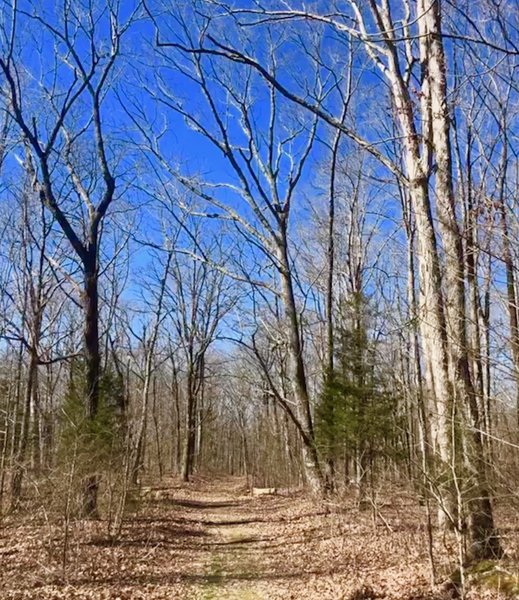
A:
210	540
234	549
287	546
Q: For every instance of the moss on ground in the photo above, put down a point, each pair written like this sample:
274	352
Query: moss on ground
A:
228	566
490	575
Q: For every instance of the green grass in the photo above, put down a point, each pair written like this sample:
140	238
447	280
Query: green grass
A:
230	564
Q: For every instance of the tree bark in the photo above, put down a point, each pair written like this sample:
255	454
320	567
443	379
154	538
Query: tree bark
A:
190	426
297	371
20	458
485	543
92	367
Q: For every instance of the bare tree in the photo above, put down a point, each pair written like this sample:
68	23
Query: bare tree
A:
57	135
428	175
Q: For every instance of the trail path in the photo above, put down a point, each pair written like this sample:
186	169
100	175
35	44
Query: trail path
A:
236	549
210	540
234	546
286	546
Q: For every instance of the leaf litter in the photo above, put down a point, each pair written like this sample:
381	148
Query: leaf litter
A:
210	539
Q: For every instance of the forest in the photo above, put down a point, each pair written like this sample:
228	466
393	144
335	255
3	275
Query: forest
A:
259	299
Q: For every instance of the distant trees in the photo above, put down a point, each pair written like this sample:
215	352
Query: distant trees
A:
200	299
422	119
266	155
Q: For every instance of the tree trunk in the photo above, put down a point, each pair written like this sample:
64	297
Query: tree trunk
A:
23	442
190	429
143	423
177	426
485	543
297	372
92	370
511	291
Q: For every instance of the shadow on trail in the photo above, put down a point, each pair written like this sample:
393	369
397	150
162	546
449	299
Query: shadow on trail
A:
145	538
196	578
206	504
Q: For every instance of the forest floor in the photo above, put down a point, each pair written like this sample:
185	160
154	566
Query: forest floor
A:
210	539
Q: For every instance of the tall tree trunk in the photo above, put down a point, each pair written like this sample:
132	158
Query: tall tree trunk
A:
330	253
297	371
485	543
92	369
511	284
20	460
190	427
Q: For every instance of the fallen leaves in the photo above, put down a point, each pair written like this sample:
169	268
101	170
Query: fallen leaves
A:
209	540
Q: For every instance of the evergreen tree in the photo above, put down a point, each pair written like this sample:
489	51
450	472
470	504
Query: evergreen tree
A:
355	419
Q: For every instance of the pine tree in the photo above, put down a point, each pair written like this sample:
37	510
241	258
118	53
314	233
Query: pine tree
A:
355	419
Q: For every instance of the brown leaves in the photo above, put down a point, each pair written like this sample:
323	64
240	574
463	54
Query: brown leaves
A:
210	540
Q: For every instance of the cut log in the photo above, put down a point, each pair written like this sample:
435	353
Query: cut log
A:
264	491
